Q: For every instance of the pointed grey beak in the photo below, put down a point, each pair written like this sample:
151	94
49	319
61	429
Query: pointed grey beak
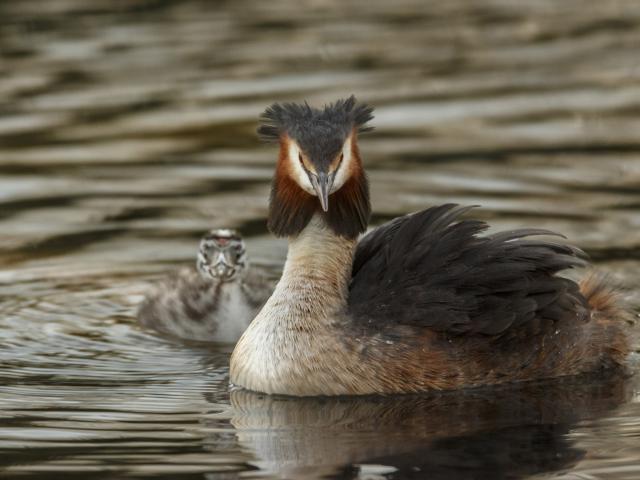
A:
322	185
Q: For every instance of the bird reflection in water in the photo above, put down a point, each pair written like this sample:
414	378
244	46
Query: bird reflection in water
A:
488	433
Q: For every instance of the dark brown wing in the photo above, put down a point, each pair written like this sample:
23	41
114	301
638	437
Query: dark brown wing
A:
432	269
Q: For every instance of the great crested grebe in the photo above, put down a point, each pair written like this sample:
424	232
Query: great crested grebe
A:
426	301
217	302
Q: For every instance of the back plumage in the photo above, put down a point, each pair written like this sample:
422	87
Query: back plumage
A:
432	269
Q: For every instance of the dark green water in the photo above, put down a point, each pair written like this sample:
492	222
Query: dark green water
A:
127	130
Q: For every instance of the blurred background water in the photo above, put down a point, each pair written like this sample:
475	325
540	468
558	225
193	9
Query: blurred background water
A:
127	130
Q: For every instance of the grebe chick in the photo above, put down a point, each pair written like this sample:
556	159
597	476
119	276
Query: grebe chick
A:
214	302
427	301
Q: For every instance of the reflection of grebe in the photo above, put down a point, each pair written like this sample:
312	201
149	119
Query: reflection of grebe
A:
423	302
502	432
215	303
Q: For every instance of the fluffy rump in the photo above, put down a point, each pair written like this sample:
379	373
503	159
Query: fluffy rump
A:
602	296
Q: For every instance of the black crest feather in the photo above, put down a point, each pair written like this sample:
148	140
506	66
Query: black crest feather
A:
297	119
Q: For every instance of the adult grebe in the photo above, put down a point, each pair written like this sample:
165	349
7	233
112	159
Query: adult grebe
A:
422	302
217	302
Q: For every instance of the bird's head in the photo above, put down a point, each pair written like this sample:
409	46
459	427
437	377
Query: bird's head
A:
319	168
221	255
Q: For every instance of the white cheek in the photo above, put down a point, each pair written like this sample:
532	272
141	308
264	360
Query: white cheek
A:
298	173
342	175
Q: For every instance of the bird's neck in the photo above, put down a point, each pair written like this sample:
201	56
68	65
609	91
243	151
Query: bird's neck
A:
315	280
298	330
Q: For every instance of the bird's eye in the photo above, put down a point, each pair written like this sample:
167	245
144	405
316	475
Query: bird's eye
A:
236	253
341	156
300	159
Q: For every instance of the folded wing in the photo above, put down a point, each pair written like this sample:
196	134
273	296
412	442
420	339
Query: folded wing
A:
434	270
